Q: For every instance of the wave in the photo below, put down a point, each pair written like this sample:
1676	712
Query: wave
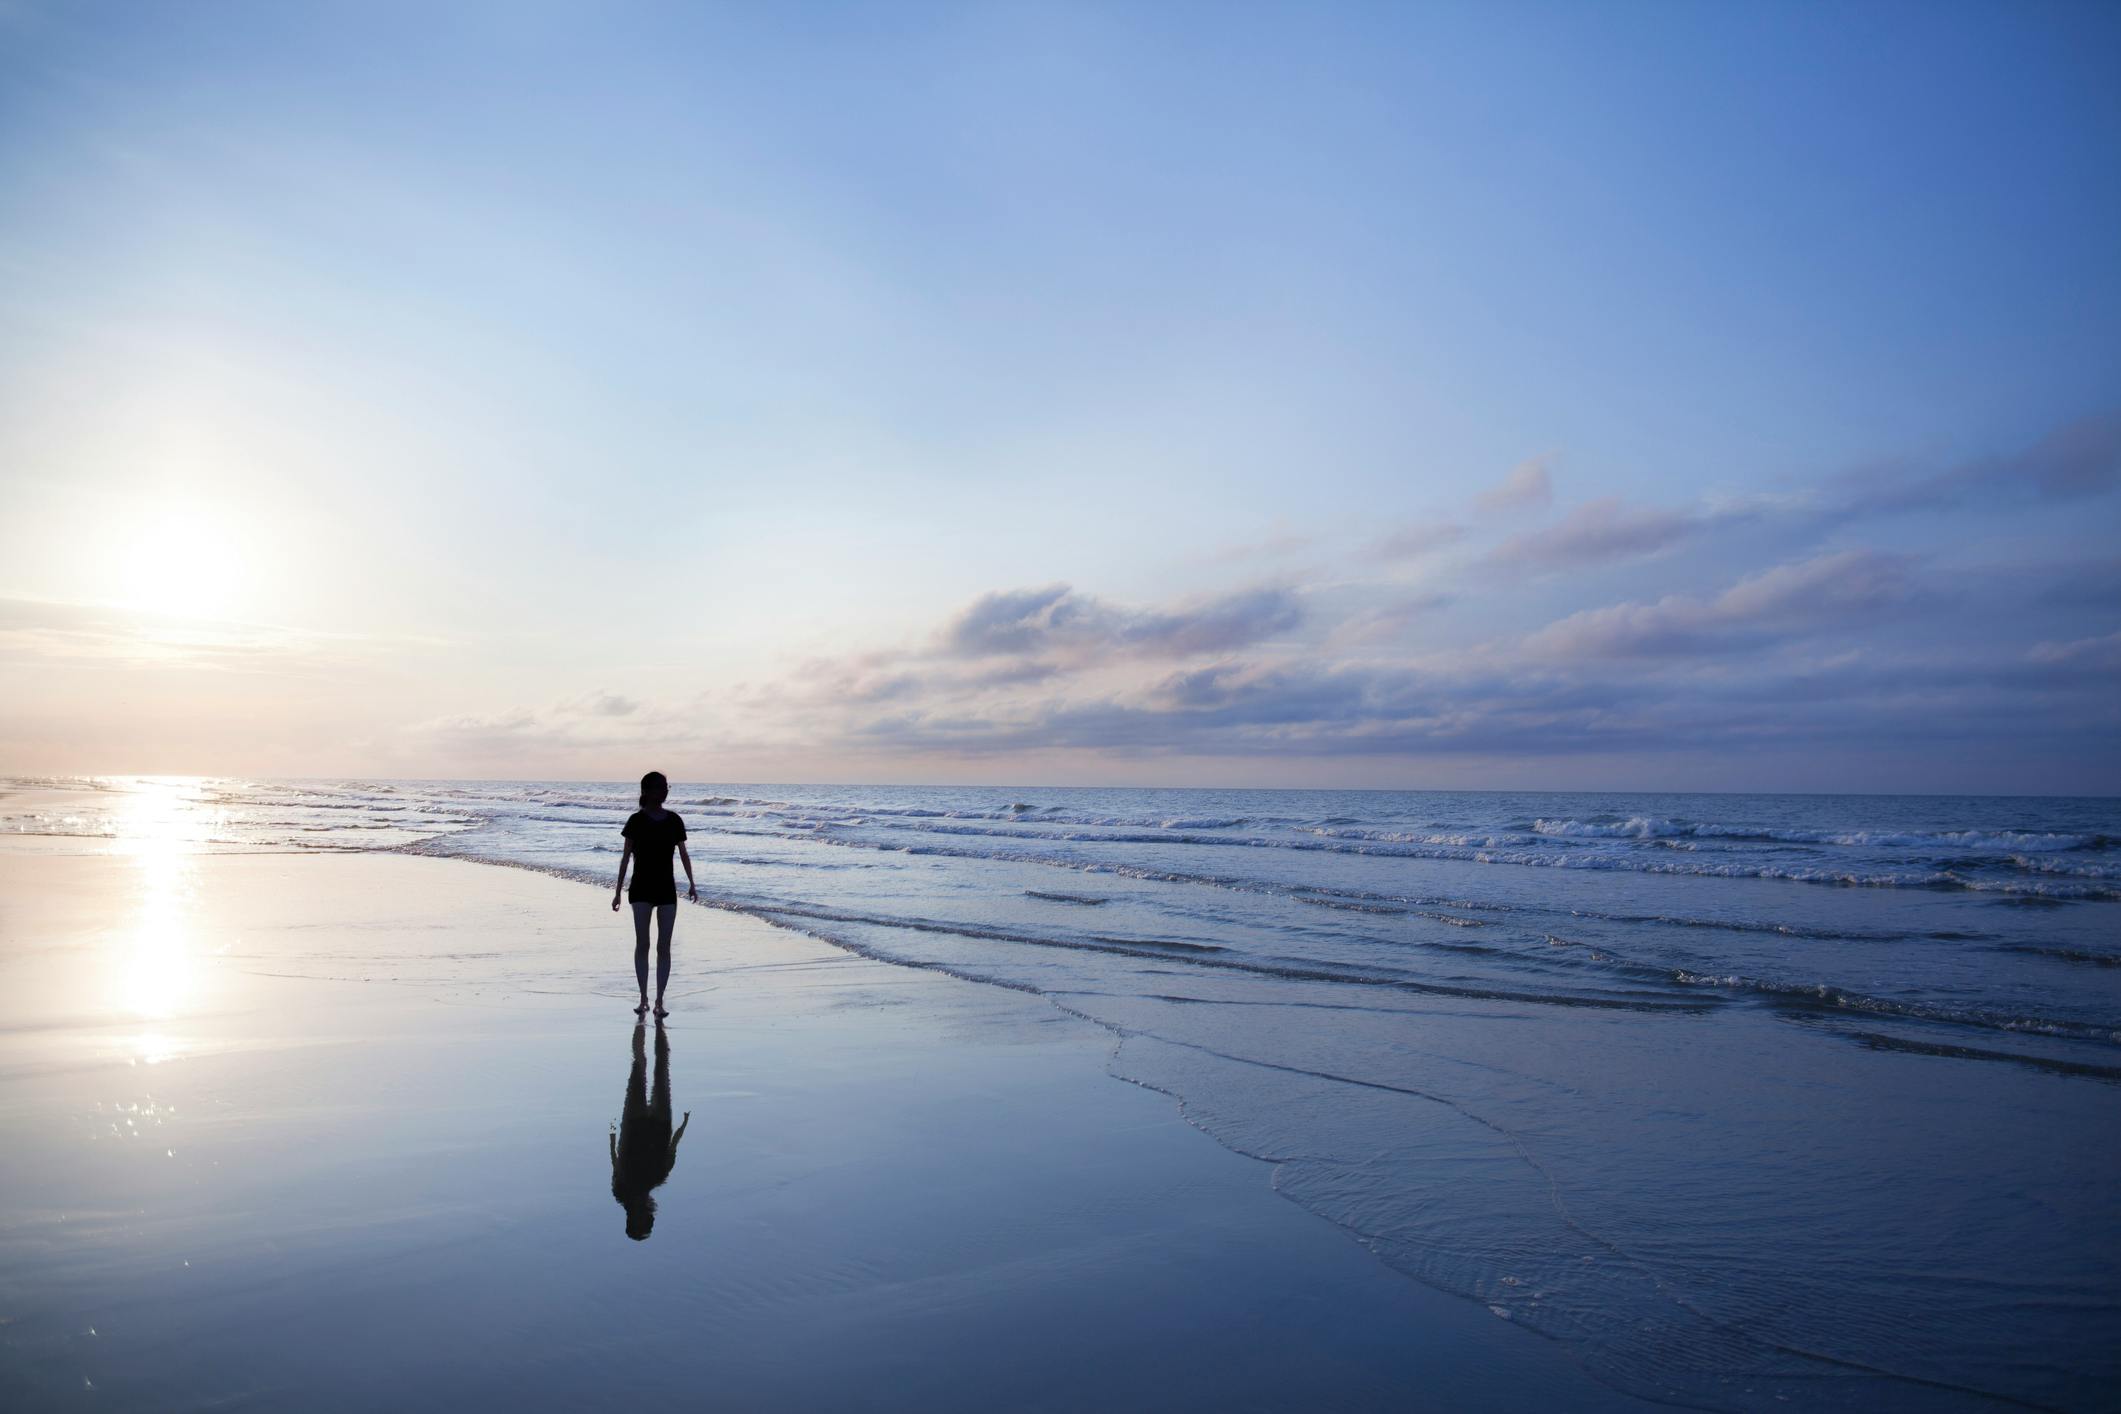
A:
605	805
286	803
2089	957
1480	1244
1385	909
1353	905
1824	874
1641	828
1377	836
804	917
1785	930
1652	827
2051	1064
2043	865
1827	996
1168	948
1209	956
1409	912
1055	815
1811	994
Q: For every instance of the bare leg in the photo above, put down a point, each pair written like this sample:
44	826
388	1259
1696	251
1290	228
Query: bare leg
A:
666	915
640	952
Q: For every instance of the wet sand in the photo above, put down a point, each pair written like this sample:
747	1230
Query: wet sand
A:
336	1133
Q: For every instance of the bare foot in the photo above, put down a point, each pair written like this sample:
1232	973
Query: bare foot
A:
659	1012
642	1009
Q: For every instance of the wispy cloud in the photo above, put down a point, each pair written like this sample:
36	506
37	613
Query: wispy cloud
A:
592	722
1387	622
1806	597
607	704
2077	460
1057	620
1054	672
1416	542
1793	647
47	631
1596	532
1528	486
2101	654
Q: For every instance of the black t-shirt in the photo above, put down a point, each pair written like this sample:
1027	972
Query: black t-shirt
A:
654	840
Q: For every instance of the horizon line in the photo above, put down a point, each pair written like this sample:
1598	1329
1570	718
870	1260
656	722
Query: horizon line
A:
15	779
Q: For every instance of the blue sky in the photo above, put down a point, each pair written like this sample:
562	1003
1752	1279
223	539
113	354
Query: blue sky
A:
1712	396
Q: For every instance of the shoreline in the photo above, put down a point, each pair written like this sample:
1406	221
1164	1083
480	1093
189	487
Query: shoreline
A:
943	1174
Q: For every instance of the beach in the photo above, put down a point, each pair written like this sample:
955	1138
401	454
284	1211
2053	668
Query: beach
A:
1521	1101
289	1132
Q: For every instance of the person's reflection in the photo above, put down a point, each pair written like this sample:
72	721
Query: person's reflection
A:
643	1149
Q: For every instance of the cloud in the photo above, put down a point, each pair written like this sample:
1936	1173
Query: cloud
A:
863	678
1790	656
1527	486
1385	622
1056	620
593	722
94	635
1807	596
1314	709
2087	655
1596	532
1415	541
1624	677
1017	674
2074	461
1215	625
608	704
2080	459
1015	621
1305	708
1049	674
1227	694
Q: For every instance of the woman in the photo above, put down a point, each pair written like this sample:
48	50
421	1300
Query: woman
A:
651	833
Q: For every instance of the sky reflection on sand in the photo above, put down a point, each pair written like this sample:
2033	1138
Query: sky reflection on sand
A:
374	1186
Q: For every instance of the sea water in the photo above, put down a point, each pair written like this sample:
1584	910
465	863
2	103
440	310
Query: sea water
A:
1751	1101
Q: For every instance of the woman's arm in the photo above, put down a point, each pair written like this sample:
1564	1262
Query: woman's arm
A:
624	860
692	890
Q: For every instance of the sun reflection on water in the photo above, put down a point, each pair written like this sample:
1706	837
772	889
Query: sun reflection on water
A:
157	830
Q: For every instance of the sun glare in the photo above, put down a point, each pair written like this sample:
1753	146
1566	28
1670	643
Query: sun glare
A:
182	560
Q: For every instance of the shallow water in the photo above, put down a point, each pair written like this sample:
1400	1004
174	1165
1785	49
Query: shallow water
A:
1750	1099
280	1173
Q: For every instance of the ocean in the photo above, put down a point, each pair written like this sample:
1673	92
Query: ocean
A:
1750	1100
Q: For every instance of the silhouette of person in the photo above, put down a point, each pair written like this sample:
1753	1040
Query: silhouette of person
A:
643	1150
651	833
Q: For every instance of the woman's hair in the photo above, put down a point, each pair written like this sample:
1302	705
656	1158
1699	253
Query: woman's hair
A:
654	790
